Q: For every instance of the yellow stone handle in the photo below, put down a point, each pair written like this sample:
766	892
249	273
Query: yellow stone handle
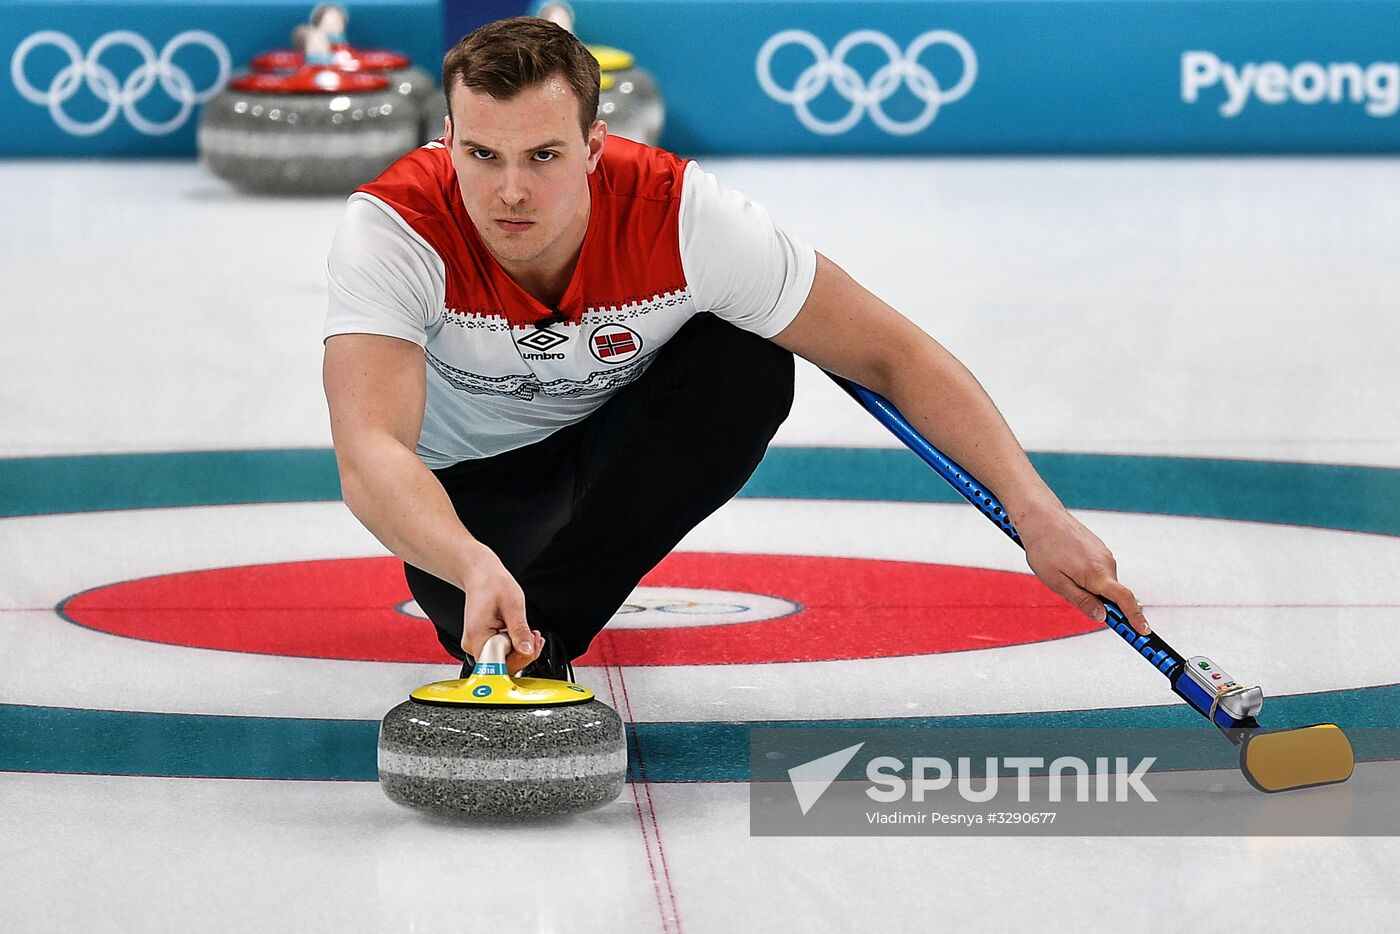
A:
492	661
496	648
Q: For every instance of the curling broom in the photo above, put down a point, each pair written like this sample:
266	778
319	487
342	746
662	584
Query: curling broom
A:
1272	760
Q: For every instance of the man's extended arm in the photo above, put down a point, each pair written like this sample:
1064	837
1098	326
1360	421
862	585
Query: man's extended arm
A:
845	329
375	388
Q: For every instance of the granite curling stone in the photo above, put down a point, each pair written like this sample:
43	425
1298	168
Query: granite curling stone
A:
629	101
315	131
497	748
416	86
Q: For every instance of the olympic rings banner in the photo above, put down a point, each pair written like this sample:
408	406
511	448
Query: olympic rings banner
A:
127	78
992	76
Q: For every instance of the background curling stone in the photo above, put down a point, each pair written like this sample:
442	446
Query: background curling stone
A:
416	85
628	99
498	748
315	131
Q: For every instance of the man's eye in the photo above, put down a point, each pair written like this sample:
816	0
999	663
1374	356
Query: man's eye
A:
545	156
483	154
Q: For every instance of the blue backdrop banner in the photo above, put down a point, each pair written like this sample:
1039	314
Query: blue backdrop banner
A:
992	76
107	77
460	17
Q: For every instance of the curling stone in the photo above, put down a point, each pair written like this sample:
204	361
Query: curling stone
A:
629	101
500	748
317	130
414	84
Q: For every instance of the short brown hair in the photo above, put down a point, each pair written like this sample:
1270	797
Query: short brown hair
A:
505	57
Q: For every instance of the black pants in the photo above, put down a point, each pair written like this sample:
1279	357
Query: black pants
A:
580	517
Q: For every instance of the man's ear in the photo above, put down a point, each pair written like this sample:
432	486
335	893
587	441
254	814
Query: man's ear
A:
597	140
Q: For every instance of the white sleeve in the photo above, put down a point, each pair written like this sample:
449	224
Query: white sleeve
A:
382	277
738	263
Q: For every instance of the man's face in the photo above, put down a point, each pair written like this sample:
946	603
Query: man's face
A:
522	166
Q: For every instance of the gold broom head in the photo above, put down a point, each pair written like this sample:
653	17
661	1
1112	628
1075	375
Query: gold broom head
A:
1303	757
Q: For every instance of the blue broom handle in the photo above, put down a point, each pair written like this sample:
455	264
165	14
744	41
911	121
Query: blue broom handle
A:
1152	647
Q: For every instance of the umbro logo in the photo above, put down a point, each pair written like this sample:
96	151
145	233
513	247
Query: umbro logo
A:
541	340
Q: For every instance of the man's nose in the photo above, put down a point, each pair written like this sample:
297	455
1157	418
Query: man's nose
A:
513	187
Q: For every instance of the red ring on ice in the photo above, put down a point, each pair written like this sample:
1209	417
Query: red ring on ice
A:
345	609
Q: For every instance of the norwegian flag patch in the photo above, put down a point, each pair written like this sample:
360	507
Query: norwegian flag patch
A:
613	343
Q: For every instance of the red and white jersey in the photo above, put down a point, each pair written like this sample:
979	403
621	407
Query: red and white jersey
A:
665	241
